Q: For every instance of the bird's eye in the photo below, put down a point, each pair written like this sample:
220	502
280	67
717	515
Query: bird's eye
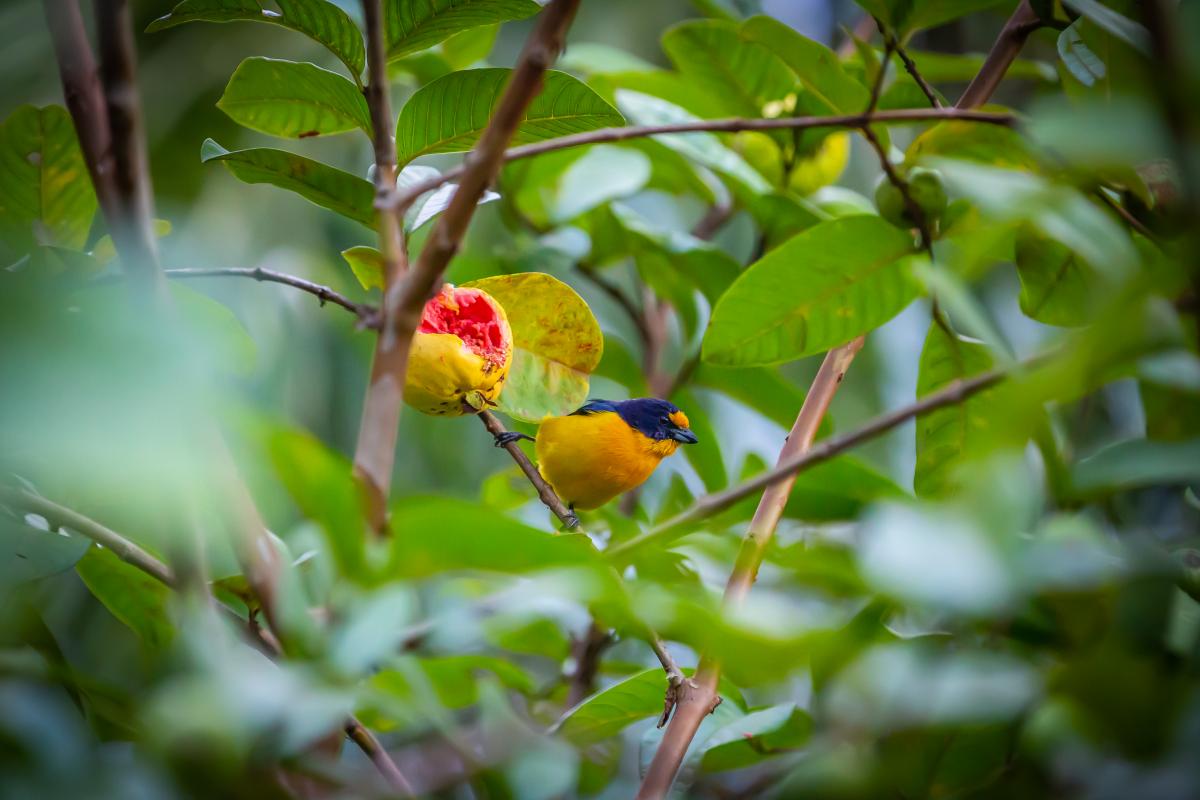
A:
665	420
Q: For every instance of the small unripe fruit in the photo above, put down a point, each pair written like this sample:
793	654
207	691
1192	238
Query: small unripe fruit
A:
460	354
823	167
925	186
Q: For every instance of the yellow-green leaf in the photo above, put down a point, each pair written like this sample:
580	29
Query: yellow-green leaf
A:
557	344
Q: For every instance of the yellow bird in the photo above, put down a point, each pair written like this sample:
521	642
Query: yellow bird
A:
605	448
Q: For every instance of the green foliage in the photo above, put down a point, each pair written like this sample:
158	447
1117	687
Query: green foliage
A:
293	100
130	595
320	20
31	550
997	598
464	101
412	26
851	275
947	435
907	16
45	195
319	183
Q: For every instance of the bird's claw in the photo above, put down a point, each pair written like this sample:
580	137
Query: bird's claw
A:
508	437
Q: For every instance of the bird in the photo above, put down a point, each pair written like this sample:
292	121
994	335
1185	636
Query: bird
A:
605	448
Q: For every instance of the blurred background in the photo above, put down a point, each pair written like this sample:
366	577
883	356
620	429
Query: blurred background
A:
1006	641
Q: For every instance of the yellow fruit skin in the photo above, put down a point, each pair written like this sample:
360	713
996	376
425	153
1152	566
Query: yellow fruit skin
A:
823	167
445	378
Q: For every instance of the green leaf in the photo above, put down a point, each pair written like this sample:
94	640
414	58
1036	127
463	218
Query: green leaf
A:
742	74
46	196
293	99
947	435
702	147
1125	29
412	25
1137	463
814	65
454	678
906	16
449	114
131	595
30	549
1059	211
557	344
320	20
820	289
987	144
607	713
348	195
1078	58
320	482
756	737
367	265
1057	286
443	535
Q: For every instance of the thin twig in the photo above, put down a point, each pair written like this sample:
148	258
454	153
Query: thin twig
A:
697	698
706	506
892	43
375	451
62	517
675	678
1124	213
367	742
545	493
877	85
733	125
915	212
364	311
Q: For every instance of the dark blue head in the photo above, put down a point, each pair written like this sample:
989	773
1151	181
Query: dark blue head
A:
650	416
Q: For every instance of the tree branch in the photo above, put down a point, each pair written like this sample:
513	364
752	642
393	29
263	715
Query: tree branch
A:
586	652
404	300
83	94
733	125
706	506
546	494
131	215
893	44
697	698
375	452
367	313
124	192
1023	22
383	762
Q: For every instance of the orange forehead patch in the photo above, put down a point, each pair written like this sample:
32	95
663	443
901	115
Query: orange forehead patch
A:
679	418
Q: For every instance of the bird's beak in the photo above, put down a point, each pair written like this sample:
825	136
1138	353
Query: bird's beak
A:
684	435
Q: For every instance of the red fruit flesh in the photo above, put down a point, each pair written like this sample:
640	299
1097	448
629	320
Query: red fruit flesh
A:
472	316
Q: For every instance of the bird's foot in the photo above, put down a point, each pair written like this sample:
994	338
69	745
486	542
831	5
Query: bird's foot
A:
508	437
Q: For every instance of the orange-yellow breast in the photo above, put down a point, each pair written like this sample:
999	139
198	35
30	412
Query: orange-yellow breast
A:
591	458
